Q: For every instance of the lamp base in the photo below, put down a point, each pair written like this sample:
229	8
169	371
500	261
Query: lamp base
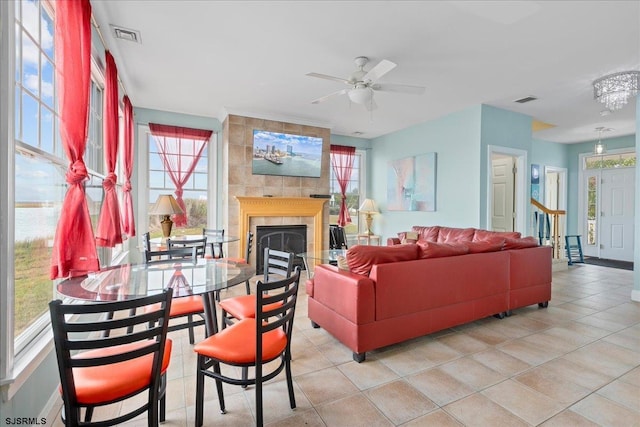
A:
369	220
166	224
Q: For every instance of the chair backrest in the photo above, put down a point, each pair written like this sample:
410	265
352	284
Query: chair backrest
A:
200	244
278	263
276	305
185	253
337	237
247	249
213	232
146	242
79	342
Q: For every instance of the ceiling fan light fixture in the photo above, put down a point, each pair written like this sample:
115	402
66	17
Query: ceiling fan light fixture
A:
360	95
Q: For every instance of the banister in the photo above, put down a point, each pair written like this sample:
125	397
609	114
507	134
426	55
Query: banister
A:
556	216
545	209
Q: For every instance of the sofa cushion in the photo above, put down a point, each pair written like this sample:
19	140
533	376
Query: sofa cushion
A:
408	237
427	234
439	250
482	246
451	235
525	242
361	257
482	235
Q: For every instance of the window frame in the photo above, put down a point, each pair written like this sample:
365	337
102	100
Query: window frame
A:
362	183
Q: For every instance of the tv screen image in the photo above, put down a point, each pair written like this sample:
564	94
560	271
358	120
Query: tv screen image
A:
287	155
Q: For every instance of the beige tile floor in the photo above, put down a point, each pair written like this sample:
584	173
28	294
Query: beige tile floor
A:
576	363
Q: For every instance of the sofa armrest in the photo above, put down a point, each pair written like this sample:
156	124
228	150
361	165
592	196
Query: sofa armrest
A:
391	241
350	295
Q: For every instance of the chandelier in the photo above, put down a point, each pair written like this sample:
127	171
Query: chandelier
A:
615	90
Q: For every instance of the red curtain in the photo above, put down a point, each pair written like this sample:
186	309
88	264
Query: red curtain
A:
342	162
128	220
74	247
109	232
180	149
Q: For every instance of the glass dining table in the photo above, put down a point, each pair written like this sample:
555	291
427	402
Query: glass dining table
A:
204	277
311	259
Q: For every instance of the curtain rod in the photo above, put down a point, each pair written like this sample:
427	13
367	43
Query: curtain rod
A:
97	27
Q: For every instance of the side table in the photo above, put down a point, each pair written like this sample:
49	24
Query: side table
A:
368	239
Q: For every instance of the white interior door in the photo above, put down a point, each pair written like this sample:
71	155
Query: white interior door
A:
551	190
502	179
617	213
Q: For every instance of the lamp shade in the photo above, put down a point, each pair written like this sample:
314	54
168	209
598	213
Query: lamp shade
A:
369	206
360	95
166	205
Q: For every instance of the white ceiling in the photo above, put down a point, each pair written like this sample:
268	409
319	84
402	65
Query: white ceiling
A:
210	58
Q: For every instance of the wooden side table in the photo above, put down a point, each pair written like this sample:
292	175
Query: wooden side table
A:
368	239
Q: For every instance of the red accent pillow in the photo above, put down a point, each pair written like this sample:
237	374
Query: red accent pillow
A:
452	235
525	242
439	250
485	246
490	235
362	258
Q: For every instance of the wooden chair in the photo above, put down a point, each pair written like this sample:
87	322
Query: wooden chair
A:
215	233
265	338
188	306
277	265
96	370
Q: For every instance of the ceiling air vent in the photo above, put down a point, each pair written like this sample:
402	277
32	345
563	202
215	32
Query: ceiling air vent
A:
525	99
126	34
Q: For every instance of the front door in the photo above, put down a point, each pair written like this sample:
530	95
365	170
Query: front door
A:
617	213
502	179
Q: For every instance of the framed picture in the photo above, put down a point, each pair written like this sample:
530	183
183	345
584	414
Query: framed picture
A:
411	183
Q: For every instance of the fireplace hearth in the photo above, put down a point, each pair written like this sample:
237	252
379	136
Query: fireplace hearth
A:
287	238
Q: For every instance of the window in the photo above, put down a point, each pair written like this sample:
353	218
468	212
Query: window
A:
354	192
611	161
195	189
592	206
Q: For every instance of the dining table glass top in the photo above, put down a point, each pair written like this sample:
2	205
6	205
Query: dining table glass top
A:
328	255
137	280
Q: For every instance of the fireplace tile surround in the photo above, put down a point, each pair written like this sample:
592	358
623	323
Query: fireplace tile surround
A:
238	182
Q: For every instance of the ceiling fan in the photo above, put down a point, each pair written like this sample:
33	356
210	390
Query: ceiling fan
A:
363	83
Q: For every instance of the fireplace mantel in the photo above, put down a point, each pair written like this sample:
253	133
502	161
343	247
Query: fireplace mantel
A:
281	206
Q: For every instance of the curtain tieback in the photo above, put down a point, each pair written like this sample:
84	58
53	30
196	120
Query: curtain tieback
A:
110	181
77	172
127	186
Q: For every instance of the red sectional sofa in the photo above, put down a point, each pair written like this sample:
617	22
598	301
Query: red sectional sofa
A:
402	291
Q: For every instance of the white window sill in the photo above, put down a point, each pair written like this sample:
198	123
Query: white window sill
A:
26	364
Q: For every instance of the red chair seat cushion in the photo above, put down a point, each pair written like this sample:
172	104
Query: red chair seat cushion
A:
181	306
237	343
244	306
98	384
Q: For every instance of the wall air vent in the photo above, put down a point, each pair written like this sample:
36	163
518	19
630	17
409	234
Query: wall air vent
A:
525	99
126	34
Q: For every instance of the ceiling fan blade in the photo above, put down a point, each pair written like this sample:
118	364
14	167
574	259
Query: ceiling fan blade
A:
327	77
381	68
331	95
390	87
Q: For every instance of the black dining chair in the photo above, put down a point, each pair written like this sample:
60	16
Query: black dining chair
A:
245	260
265	338
185	306
277	265
96	370
199	243
216	248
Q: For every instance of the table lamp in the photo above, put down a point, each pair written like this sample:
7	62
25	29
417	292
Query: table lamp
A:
166	205
369	208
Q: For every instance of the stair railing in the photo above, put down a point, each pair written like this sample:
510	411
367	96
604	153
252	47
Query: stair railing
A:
543	218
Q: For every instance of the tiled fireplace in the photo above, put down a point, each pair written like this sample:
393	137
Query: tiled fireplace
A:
250	200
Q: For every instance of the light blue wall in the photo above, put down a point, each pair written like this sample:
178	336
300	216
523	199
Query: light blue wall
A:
456	140
507	129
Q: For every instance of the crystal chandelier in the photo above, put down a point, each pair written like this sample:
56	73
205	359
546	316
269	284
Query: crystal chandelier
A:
615	90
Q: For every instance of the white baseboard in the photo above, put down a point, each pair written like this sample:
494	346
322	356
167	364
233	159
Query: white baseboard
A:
635	295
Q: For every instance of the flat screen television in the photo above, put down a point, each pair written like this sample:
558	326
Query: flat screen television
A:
286	155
